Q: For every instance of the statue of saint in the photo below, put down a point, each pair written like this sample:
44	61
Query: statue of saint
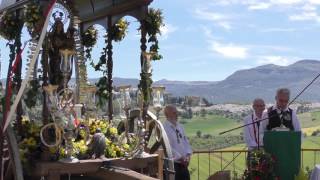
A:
58	40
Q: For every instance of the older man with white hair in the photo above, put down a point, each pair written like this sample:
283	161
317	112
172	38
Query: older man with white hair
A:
253	133
280	115
179	143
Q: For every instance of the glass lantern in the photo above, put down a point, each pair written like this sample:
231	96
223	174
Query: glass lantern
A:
158	99
125	99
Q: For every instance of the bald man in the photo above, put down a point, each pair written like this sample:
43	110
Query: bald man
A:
179	143
253	134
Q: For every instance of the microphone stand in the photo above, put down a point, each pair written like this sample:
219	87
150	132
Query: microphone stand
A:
258	124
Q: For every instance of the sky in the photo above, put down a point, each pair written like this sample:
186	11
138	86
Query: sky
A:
208	40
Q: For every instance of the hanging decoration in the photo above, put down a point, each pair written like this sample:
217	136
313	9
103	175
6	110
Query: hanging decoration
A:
33	17
11	23
119	30
117	34
153	23
89	39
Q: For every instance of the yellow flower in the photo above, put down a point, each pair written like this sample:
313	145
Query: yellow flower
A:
108	142
126	146
52	150
113	131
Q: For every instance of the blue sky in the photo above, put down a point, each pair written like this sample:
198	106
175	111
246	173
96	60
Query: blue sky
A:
209	40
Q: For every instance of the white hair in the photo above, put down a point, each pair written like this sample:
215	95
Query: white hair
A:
284	91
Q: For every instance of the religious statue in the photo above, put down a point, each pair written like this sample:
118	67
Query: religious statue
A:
58	40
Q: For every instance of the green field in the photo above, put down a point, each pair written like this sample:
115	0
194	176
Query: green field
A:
213	124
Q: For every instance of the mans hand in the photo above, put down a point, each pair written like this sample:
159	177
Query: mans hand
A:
186	160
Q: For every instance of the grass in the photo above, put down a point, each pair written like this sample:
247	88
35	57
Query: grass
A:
211	124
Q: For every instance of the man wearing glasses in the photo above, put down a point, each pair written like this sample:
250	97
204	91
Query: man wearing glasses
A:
179	143
280	115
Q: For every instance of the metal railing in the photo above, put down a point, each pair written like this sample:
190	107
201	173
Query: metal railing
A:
206	163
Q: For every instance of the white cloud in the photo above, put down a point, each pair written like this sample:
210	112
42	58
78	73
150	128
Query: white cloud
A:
309	7
219	19
229	50
277	60
167	29
224	24
305	16
259	6
279	30
314	2
207	15
207	32
286	2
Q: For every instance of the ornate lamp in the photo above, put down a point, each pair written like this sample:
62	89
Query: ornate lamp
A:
61	104
158	100
90	100
125	100
125	103
66	64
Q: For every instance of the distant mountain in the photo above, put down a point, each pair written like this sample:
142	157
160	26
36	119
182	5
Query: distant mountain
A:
244	85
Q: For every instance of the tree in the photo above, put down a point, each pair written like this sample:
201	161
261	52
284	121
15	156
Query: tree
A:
199	133
190	113
203	113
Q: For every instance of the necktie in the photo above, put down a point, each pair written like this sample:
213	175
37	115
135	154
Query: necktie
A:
179	135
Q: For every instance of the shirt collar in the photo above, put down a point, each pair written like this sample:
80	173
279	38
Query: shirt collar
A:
274	107
171	124
255	117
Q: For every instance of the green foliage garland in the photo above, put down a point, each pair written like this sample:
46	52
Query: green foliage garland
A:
10	26
119	30
31	95
153	23
102	91
89	39
32	17
117	33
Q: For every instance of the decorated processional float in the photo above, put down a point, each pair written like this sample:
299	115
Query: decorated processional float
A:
51	129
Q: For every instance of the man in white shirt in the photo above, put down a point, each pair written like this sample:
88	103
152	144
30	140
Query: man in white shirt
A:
179	143
253	133
280	115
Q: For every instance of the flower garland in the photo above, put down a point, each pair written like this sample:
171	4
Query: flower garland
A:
117	33
89	39
261	166
33	17
153	22
31	94
12	26
119	30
